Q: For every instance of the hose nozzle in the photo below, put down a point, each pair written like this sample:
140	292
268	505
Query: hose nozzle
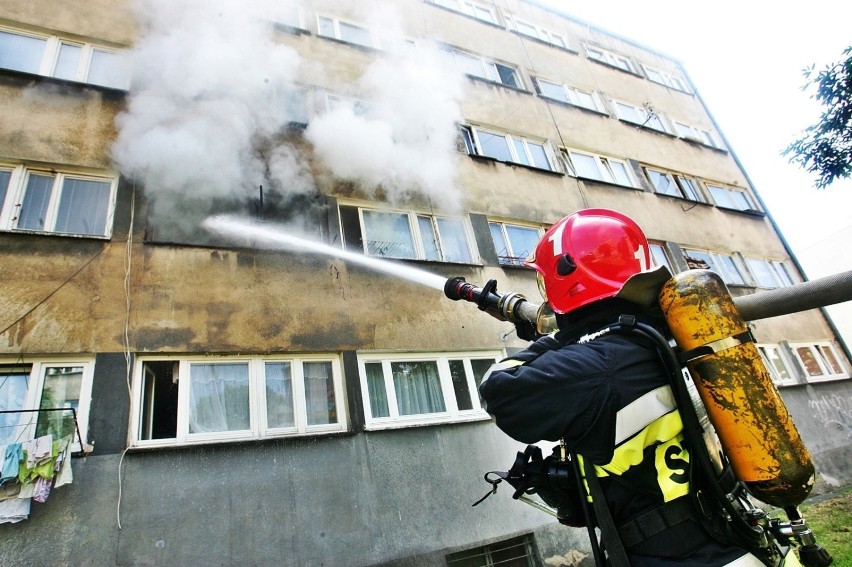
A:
512	307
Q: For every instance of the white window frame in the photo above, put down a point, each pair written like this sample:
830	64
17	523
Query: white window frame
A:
485	69
81	74
10	207
640	116
728	266
659	256
512	257
816	350
684	186
768	274
696	134
529	29
519	148
288	15
337	32
773	352
477	10
26	428
734	198
442	360
570	95
257	400
606	172
414	227
670	80
610	58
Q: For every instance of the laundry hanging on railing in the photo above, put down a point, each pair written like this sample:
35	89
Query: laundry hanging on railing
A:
30	471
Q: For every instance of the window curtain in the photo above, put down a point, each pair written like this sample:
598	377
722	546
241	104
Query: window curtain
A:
418	388
83	207
376	389
218	398
279	395
319	393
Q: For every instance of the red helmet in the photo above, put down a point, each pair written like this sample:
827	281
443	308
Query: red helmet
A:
587	256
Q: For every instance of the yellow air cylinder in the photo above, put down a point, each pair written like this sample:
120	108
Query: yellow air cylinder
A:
744	406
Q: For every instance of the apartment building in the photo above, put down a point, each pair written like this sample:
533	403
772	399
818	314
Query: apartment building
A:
191	194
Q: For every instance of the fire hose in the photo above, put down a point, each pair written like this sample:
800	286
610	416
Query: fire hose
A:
515	308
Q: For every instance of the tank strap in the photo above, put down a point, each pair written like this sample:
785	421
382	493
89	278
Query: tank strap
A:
716	346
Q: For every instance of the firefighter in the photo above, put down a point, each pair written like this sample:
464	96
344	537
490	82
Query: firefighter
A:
607	396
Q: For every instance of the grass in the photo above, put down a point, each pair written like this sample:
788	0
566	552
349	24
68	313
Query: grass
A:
830	519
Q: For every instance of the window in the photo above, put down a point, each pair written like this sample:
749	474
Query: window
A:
768	273
56	202
476	10
590	166
286	14
345	31
536	32
394	234
610	58
640	115
55	57
658	254
696	134
569	95
673	184
515	552
401	389
485	69
731	197
60	385
723	264
776	364
202	399
506	148
819	360
668	79
513	243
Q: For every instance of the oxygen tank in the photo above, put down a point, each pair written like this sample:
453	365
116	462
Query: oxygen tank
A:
744	406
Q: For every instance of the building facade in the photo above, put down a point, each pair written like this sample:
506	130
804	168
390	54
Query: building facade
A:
191	196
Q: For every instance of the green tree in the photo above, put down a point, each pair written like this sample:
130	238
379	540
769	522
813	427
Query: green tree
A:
825	148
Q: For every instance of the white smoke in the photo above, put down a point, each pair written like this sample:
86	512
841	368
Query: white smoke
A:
404	141
211	91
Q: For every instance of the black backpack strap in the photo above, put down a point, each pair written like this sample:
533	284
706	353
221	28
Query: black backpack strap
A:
609	533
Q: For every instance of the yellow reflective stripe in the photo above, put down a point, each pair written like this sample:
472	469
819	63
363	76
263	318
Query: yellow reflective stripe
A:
671	460
633	417
630	454
580	461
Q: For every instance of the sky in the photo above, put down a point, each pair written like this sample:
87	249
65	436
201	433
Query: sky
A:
746	58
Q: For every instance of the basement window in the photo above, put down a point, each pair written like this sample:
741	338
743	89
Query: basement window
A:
198	400
514	552
403	389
